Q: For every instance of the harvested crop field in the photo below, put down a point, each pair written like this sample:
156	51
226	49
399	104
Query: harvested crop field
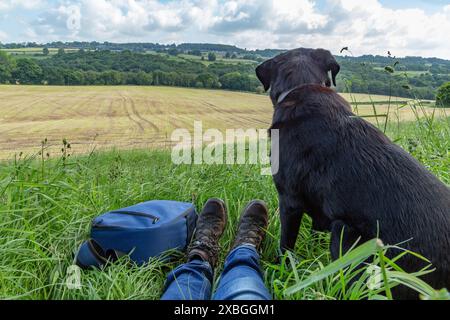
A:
125	117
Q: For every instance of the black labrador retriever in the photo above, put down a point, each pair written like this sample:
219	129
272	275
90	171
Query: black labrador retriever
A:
346	174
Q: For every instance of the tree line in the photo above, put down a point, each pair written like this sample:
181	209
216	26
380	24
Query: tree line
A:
406	77
125	68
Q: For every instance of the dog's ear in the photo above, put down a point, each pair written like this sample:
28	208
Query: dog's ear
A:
264	73
328	63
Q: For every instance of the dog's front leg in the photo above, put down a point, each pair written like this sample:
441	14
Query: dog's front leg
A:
343	237
291	212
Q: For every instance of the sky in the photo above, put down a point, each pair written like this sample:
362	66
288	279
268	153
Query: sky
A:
403	27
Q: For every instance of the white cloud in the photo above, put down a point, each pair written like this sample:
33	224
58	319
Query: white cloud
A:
369	27
364	26
292	16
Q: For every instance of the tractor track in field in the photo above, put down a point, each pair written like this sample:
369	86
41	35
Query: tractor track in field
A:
138	115
152	107
134	115
214	107
105	132
60	107
37	96
136	122
110	115
228	113
175	121
83	102
266	123
20	110
9	130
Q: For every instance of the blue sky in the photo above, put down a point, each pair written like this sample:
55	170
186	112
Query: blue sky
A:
404	27
430	6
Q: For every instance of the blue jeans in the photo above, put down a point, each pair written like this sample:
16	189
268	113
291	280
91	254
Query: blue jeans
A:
241	279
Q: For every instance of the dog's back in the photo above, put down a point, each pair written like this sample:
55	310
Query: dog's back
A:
348	170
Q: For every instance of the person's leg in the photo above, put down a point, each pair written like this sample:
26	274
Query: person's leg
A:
192	280
241	278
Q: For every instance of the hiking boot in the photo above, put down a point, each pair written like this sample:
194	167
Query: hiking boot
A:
210	226
252	225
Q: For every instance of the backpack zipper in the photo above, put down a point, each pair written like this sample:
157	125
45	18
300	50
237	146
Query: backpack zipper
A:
132	213
96	226
139	214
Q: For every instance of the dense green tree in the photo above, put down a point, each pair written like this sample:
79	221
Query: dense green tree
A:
250	57
141	78
195	53
74	77
212	56
231	80
53	76
45	51
112	77
92	78
7	65
208	80
238	81
443	95
173	52
27	71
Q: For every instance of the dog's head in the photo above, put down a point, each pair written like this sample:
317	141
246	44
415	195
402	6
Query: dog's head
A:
296	67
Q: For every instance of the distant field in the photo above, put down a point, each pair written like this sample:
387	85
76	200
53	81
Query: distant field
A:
205	61
137	117
408	72
33	52
37	53
218	59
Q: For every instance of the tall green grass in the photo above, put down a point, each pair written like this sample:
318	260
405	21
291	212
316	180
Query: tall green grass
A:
46	206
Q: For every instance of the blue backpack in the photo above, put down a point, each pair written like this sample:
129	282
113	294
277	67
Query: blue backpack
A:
141	231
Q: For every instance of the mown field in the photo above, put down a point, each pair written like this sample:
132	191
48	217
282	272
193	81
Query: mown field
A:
46	204
128	117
